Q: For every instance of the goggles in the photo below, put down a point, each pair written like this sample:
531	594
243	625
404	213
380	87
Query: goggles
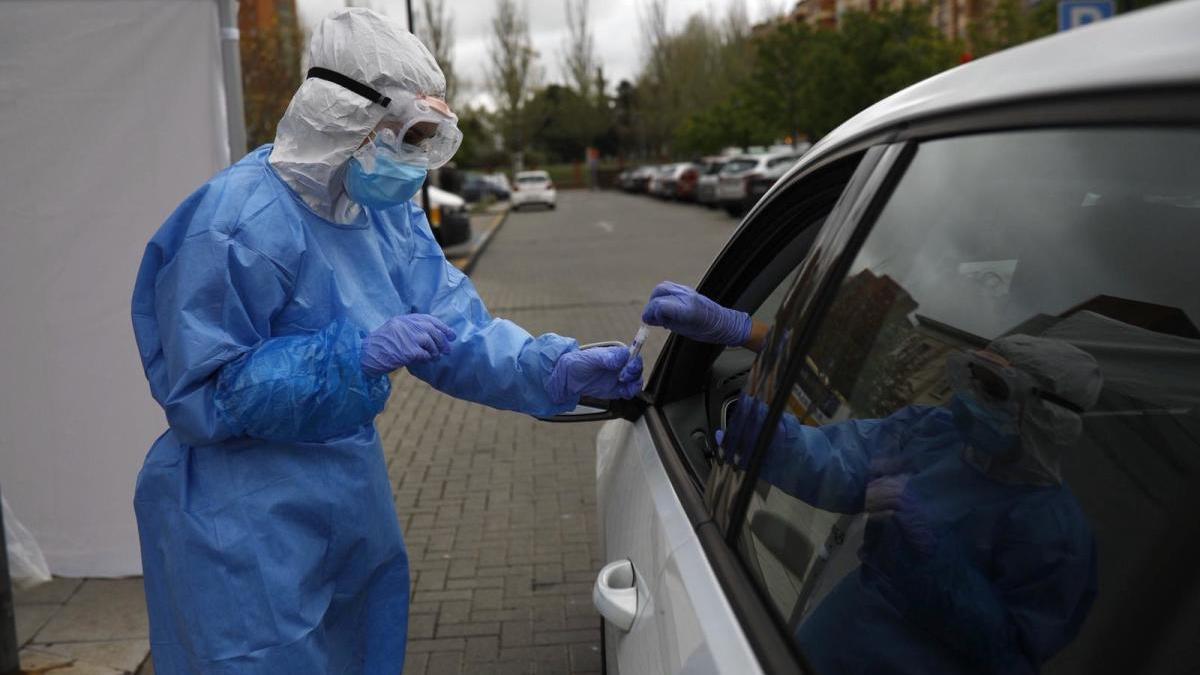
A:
419	129
996	383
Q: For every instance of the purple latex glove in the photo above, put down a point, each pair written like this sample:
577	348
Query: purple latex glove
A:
889	497
682	310
404	340
599	372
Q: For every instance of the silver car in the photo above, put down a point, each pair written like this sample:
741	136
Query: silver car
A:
1050	190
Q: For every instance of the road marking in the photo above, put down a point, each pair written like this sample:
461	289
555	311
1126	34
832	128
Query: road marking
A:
606	226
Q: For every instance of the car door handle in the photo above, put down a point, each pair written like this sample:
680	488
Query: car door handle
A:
615	594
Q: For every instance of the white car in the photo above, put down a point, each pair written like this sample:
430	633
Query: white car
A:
733	181
533	187
1050	190
449	218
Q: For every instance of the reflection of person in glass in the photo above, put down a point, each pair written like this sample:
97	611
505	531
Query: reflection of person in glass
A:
976	556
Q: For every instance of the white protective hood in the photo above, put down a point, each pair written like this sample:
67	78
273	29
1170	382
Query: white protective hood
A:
326	122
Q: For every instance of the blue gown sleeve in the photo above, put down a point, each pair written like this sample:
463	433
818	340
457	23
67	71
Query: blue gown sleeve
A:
829	466
1028	609
221	372
493	361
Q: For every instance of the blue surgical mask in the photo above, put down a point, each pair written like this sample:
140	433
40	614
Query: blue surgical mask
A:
987	428
391	183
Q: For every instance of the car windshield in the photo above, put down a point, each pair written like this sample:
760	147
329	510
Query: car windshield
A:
739	165
532	178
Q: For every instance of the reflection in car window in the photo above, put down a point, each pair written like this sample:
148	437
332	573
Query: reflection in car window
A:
996	422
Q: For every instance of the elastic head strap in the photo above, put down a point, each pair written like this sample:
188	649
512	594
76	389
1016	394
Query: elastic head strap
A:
349	83
1058	400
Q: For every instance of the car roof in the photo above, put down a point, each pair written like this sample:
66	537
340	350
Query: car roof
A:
1158	46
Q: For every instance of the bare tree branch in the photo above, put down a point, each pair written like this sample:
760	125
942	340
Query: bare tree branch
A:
579	53
435	26
513	70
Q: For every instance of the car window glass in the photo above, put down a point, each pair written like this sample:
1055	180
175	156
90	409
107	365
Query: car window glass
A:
991	439
781	161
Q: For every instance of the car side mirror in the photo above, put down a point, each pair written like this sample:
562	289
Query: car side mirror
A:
598	410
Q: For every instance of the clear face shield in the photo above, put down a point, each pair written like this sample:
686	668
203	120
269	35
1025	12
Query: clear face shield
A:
416	129
992	380
420	127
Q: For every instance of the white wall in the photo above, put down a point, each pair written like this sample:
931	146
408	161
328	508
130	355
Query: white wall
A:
111	112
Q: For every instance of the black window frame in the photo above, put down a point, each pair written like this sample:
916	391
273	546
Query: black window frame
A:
1147	106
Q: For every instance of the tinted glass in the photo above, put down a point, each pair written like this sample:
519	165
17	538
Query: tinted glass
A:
988	460
535	178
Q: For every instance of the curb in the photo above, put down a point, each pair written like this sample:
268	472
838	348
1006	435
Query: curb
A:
469	266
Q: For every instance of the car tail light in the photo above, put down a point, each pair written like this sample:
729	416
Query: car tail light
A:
435	215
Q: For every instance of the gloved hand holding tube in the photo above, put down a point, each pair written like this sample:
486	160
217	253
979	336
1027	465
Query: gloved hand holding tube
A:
599	372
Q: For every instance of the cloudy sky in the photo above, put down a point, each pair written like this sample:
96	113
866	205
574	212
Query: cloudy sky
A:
615	28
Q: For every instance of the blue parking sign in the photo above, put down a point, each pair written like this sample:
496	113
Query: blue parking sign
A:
1076	13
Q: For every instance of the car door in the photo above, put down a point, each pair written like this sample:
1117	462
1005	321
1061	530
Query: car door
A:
661	590
1072	251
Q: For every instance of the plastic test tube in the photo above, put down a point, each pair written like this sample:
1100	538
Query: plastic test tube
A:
639	339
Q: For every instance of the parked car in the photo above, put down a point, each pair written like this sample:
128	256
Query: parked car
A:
500	180
449	218
656	185
639	179
706	184
625	179
1028	192
476	187
533	187
680	181
758	185
734	179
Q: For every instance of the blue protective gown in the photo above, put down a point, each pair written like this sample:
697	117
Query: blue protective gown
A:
270	542
1009	582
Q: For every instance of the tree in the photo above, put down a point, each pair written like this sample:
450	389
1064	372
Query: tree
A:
512	71
579	53
435	24
782	67
270	46
1011	22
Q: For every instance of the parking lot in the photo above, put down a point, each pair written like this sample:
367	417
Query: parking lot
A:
498	509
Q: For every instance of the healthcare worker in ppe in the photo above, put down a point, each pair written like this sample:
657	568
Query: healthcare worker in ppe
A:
269	310
976	557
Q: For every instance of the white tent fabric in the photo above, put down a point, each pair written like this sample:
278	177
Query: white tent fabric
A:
111	112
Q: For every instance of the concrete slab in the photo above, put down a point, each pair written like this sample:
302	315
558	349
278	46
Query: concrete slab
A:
121	655
31	618
102	609
80	668
57	590
36	660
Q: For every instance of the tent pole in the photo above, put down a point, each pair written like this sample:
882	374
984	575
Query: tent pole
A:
231	60
9	658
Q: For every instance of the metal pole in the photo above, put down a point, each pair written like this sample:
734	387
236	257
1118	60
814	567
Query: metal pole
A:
231	60
412	28
10	663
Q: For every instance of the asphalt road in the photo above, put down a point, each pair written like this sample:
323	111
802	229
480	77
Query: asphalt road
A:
498	509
